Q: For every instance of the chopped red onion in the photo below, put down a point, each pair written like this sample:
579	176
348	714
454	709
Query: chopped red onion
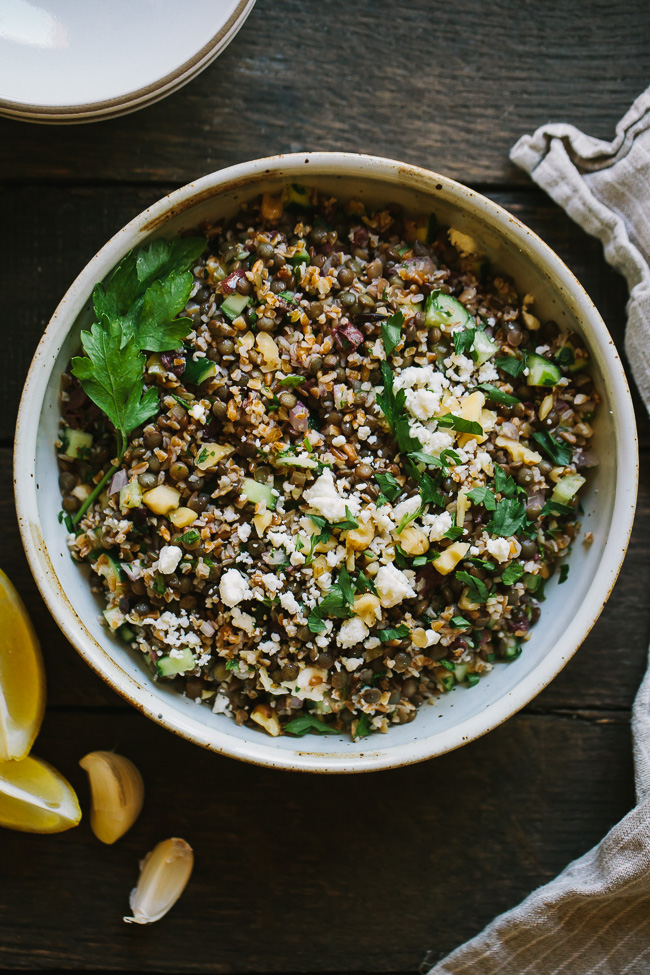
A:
349	334
132	569
299	418
229	284
119	480
207	628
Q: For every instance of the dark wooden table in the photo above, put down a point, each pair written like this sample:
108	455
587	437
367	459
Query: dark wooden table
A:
295	872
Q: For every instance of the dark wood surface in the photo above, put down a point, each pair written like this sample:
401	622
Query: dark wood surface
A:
304	873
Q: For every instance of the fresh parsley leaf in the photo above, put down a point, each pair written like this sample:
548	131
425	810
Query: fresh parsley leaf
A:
559	452
394	633
482	563
338	603
407	519
511	573
464	340
392	406
232	665
348	523
454	532
191	536
429	492
308	722
564	573
161	257
362	729
112	376
292	381
505	484
556	508
391	331
447	664
157	328
497	395
483	495
477	591
460	622
365	584
510	364
288	296
459	423
390	487
509	518
423	458
564	357
449	454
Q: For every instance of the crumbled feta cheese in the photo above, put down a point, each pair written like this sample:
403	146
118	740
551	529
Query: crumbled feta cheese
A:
392	586
437	525
323	495
433	442
272	583
243	620
289	602
422	403
352	631
233	587
364	432
198	412
408	507
338	441
168	558
499	548
244	532
351	663
463	365
268	647
487	373
221	704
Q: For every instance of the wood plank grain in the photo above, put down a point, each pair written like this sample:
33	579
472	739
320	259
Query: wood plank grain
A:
310	873
448	86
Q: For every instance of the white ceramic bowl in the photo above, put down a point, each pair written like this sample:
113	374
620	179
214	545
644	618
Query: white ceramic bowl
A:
567	614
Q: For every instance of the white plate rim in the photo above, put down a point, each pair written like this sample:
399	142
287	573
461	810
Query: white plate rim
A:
140	97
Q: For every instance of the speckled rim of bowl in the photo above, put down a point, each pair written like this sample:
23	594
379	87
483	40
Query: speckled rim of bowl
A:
263	753
138	98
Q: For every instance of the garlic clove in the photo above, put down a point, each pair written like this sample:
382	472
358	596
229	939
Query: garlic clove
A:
164	874
117	792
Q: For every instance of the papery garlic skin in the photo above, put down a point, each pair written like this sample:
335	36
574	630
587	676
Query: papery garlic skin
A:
164	874
117	793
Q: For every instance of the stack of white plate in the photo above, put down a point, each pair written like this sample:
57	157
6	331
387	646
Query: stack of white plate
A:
85	60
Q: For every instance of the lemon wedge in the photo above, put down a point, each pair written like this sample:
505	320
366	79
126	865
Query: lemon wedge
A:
34	797
22	676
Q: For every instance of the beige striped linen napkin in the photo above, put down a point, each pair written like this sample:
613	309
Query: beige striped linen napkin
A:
594	919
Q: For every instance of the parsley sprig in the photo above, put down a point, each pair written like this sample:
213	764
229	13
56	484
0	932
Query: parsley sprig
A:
137	311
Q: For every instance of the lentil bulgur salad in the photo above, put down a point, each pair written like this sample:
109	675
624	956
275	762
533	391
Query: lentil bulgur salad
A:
321	461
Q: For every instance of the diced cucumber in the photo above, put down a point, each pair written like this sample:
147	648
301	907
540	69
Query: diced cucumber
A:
541	372
567	488
131	495
446	312
290	461
198	370
297	196
255	492
126	633
110	569
170	666
300	257
77	442
234	305
483	348
460	671
114	617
